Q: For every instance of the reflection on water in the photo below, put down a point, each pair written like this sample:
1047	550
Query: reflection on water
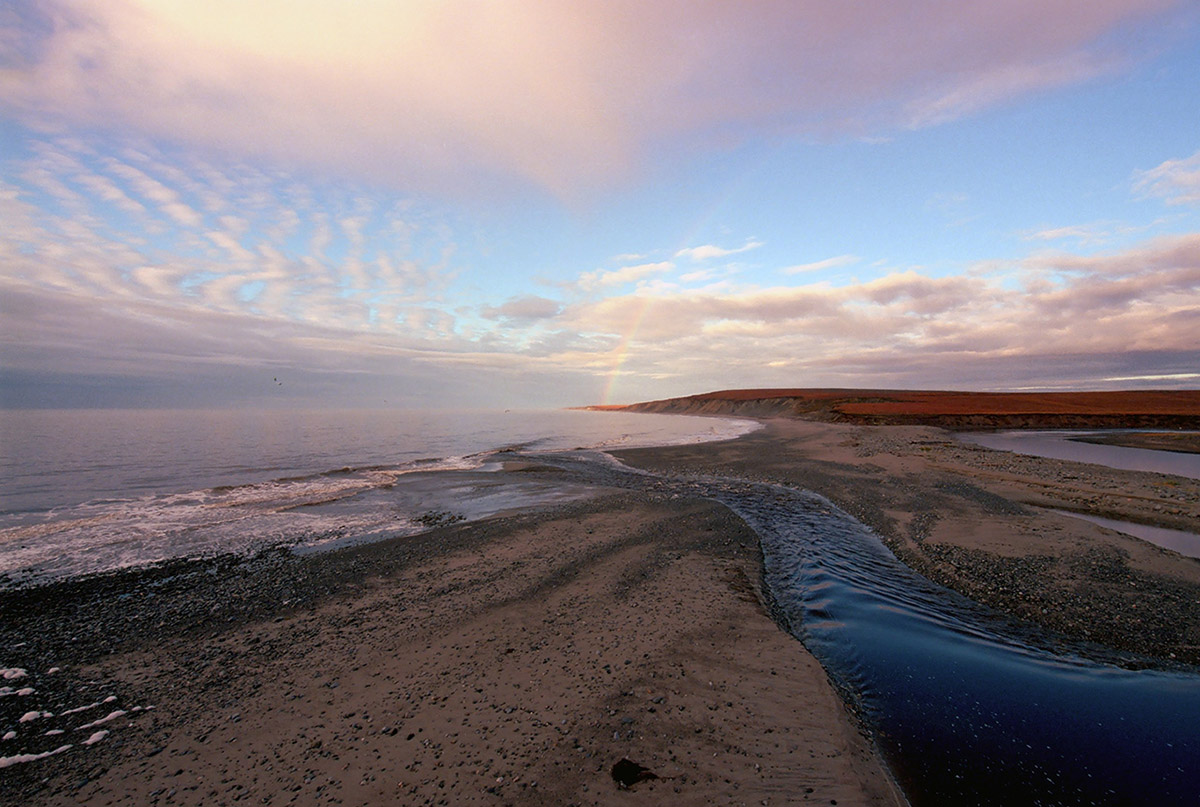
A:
1059	445
968	706
1185	543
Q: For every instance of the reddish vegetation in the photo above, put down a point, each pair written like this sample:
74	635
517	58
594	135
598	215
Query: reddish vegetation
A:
979	410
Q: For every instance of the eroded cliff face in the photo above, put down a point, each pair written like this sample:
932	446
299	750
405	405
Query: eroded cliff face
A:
846	407
770	407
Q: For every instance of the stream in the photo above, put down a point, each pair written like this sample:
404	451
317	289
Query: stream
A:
966	705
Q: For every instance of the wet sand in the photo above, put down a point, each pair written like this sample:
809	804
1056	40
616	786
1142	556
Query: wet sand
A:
508	662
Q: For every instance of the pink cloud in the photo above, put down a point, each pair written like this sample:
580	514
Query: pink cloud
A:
590	281
1177	181
817	266
560	95
707	252
1101	310
527	308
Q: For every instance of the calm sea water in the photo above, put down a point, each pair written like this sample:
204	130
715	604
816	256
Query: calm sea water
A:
90	491
1064	445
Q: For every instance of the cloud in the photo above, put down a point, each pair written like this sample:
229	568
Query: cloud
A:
1176	181
820	266
1123	314
1079	232
1004	82
1088	234
1121	318
528	308
167	200
271	260
458	94
601	278
709	251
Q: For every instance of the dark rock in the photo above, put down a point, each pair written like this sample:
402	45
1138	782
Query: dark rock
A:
627	773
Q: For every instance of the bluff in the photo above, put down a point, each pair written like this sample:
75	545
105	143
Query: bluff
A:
976	411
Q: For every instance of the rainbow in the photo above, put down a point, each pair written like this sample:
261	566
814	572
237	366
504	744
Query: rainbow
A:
689	237
622	351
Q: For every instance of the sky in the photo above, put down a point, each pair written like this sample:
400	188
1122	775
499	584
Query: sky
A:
479	203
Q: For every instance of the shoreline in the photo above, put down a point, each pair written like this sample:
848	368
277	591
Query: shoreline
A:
979	522
634	626
509	661
1179	443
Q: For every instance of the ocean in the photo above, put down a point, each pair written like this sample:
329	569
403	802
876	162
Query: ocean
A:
91	491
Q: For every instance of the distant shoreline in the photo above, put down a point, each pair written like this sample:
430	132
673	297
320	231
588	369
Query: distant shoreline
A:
1179	443
958	411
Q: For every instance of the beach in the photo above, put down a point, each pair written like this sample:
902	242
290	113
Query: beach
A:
982	522
514	661
518	659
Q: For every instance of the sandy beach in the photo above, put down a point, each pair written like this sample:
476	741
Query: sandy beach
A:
517	660
510	662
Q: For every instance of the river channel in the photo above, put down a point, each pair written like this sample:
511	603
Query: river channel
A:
966	705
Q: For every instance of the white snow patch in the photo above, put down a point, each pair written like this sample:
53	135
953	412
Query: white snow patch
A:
29	717
110	716
53	670
19	758
12	673
53	732
9	735
79	709
95	738
25	691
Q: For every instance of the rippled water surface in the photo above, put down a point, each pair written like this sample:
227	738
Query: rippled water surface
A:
969	707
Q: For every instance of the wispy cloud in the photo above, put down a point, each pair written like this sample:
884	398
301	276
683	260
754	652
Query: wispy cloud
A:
1138	302
1002	82
300	268
526	308
820	266
1092	234
1176	181
560	95
707	252
602	278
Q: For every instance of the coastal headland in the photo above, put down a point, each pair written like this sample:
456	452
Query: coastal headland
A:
961	411
520	659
